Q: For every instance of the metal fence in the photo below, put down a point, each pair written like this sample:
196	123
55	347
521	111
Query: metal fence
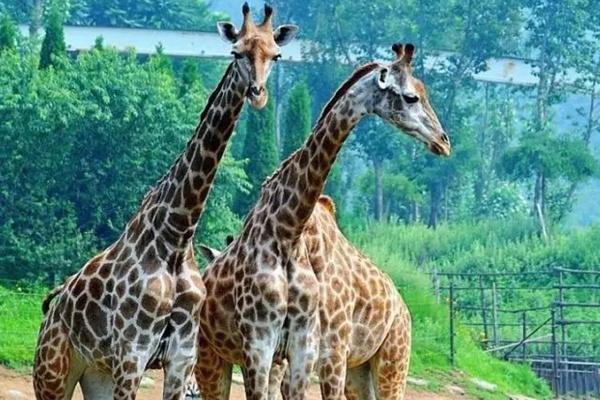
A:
537	335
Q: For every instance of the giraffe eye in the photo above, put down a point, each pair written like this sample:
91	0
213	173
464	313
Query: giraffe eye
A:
410	98
237	55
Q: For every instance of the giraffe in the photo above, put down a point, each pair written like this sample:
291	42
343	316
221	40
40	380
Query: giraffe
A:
262	294
356	297
136	304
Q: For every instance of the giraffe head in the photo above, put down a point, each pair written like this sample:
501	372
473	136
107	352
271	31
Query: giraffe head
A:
255	48
404	103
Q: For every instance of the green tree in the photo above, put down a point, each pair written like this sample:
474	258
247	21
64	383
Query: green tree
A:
568	20
8	33
296	120
190	76
260	151
166	14
53	46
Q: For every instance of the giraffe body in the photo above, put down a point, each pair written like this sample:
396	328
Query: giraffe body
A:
136	304
262	293
365	326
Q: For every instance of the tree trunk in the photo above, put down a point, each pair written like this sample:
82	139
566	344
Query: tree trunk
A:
481	180
586	137
378	170
414	212
435	192
538	203
37	13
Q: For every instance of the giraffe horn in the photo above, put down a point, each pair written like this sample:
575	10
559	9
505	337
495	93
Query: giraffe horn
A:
398	49
247	15
268	16
409	50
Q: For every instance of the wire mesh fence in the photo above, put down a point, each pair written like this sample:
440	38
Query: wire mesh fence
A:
540	332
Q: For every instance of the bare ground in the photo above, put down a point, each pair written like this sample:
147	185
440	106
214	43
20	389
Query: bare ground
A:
11	381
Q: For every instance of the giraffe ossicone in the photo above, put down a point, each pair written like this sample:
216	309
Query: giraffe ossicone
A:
136	304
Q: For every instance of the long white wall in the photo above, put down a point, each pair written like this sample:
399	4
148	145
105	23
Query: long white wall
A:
203	44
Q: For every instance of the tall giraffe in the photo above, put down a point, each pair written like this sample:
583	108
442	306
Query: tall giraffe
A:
362	316
136	304
262	295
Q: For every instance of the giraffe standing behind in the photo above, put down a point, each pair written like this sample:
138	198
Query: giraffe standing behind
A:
262	294
136	304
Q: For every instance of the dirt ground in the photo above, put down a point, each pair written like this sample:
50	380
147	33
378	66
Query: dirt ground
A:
15	386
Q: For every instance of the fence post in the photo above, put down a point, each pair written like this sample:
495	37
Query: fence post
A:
561	304
555	382
451	305
495	315
436	285
524	337
483	310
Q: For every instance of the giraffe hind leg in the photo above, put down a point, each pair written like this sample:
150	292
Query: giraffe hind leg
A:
56	369
389	366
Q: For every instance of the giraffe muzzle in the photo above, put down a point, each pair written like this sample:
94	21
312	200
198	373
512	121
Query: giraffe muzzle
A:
257	96
440	146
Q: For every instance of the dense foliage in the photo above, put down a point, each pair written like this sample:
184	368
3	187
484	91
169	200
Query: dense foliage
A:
260	151
81	145
297	119
164	14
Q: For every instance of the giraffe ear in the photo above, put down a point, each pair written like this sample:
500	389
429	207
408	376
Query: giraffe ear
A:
383	78
209	253
227	31
284	34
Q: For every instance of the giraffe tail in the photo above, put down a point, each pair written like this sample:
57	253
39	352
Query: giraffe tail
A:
50	296
55	292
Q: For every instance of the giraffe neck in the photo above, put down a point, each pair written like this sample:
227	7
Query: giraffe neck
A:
294	189
180	196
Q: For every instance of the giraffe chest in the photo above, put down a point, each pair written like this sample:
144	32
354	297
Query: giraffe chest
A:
245	300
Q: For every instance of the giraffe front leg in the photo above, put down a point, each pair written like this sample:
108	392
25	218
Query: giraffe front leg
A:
302	355
129	363
183	341
332	372
278	379
258	358
213	374
127	375
179	366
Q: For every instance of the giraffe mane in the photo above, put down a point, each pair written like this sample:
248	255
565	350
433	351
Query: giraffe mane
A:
213	95
341	91
348	83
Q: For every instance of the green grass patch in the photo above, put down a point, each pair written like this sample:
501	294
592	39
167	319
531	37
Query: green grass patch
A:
20	317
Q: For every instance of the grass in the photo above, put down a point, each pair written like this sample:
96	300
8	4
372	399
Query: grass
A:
20	317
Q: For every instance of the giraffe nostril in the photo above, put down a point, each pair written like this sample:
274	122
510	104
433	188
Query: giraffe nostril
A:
255	90
445	138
